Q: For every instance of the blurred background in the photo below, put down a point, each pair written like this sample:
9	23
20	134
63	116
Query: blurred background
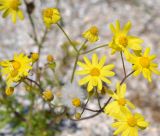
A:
78	15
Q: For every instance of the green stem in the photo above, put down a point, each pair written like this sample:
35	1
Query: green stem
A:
98	99
75	63
124	69
40	45
67	37
101	46
74	68
85	105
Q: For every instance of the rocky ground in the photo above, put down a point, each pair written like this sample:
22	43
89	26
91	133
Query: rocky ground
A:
78	15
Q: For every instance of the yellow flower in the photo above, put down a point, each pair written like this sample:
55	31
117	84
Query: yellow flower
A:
143	64
121	40
16	69
120	102
128	124
95	72
91	34
11	7
51	16
48	95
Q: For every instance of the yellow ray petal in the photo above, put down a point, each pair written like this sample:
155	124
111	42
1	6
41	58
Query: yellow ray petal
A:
94	59
84	80
102	61
108	67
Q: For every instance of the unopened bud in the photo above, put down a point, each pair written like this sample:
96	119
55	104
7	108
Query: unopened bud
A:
35	57
77	115
50	58
48	95
9	91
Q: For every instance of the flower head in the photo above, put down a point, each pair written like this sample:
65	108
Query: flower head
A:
128	124
48	95
121	40
119	103
11	7
91	34
51	16
143	64
95	72
16	69
72	96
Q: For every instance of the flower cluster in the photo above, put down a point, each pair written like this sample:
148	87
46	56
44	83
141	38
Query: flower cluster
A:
96	74
16	69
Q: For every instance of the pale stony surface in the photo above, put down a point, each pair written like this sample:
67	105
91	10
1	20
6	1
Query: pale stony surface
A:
78	15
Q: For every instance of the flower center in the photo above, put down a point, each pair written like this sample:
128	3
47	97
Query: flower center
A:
76	102
122	101
144	61
13	4
132	121
95	72
14	73
48	13
123	41
94	30
16	65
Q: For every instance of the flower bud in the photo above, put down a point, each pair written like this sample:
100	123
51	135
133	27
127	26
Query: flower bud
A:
77	115
50	58
76	102
48	95
35	57
9	91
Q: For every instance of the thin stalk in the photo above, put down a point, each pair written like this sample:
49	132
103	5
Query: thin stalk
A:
69	39
98	99
74	68
101	46
124	69
75	63
37	84
85	106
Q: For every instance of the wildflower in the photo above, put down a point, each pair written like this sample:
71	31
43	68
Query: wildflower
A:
51	16
72	96
16	69
9	91
35	57
143	64
121	40
91	34
48	95
11	7
120	102
95	72
128	124
50	58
